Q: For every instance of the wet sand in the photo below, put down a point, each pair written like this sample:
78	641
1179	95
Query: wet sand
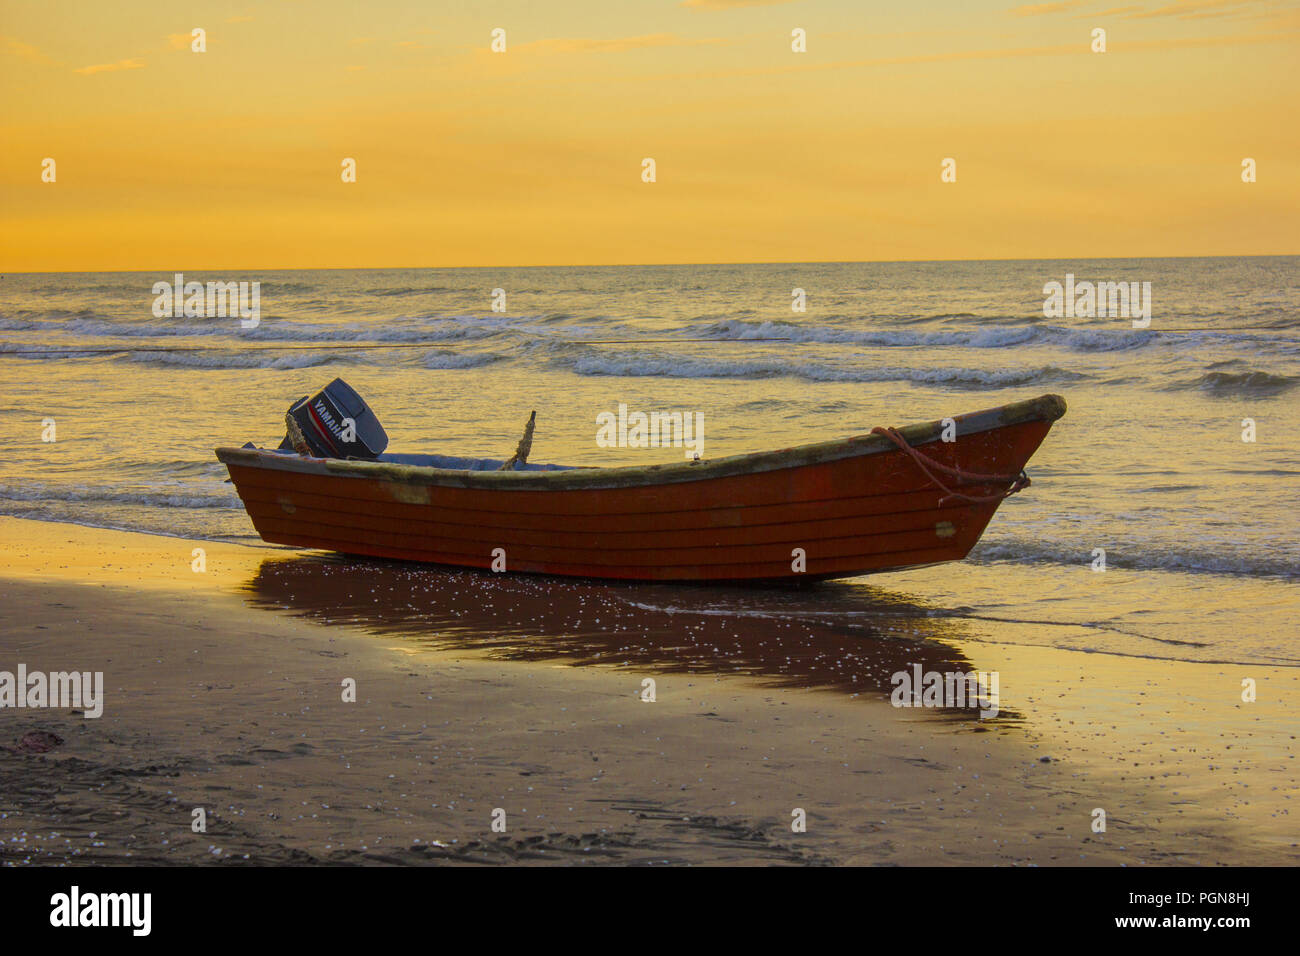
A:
476	692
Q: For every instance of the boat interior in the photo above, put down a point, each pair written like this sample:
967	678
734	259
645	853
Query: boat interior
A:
448	462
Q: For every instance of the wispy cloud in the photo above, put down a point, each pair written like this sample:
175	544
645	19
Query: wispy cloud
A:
1243	39
611	45
1039	9
1109	12
24	51
1183	9
1072	49
1193	9
180	41
132	64
729	4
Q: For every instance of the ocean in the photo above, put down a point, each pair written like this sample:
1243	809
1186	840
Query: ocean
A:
1200	529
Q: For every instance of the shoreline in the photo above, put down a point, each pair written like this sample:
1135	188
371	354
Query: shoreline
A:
223	692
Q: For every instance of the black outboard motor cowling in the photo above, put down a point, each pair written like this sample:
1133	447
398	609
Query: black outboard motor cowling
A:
337	423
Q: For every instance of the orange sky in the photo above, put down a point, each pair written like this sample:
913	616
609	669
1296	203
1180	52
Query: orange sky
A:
167	158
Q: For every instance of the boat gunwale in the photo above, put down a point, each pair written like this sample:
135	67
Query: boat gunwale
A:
1046	408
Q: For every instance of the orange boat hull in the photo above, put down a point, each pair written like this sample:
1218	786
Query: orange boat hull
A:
830	510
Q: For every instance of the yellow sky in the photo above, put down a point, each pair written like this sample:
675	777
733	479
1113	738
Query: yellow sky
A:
231	158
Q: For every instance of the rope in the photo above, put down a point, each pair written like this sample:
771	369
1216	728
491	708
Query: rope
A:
925	463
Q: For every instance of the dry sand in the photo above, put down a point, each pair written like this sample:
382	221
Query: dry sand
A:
223	692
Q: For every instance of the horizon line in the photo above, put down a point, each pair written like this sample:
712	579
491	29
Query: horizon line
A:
643	265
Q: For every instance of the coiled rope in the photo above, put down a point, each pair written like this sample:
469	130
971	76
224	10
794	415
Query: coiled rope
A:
928	465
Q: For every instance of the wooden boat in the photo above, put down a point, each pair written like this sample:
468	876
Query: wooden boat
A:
882	501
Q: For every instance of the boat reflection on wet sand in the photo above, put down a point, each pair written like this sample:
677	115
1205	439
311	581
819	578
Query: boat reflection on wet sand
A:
843	637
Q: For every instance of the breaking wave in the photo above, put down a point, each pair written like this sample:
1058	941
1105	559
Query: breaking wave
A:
309	358
1146	557
157	499
995	337
660	366
280	329
1250	384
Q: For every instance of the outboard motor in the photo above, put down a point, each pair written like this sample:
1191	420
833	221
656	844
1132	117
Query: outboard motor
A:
337	423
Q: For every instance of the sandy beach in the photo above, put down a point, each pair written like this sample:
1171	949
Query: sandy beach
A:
223	690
